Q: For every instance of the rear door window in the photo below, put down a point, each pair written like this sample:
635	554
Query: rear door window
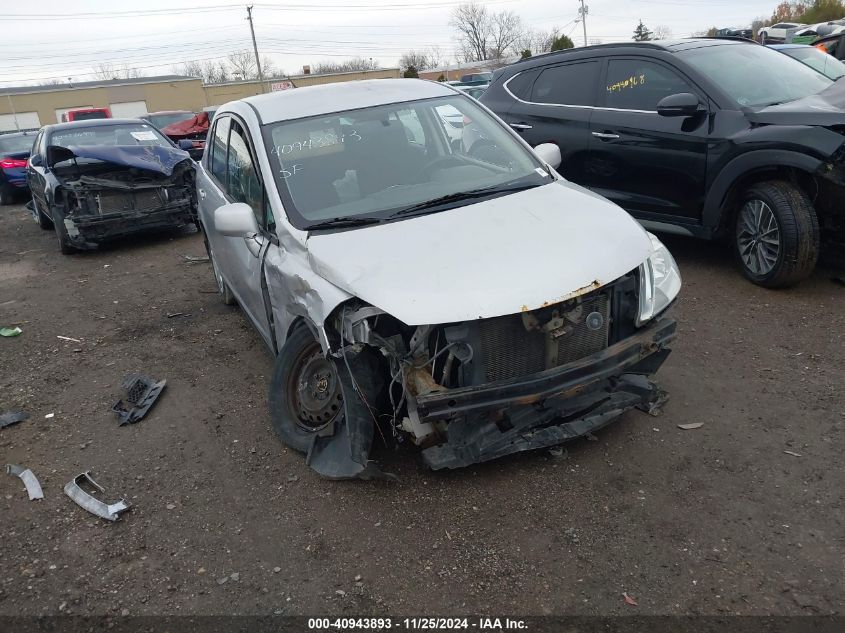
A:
639	84
568	84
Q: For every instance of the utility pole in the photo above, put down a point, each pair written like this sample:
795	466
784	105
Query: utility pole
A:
255	47
583	11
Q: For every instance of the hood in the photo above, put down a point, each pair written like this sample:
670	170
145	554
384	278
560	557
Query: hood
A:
188	127
825	108
155	158
514	253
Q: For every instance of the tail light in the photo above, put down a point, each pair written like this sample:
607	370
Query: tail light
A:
11	163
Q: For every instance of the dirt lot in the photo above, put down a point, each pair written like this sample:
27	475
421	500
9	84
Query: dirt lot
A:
716	520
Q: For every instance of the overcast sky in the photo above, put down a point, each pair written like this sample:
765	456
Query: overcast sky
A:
63	39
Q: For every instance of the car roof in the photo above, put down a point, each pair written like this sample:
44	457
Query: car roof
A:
285	105
56	127
670	46
160	112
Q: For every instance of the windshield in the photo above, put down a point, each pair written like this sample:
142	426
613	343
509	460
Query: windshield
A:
821	62
14	144
377	162
163	120
755	75
129	134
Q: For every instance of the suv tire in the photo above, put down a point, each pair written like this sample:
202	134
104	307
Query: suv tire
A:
306	393
6	197
776	234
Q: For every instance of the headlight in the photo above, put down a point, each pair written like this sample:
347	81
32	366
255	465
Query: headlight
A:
660	281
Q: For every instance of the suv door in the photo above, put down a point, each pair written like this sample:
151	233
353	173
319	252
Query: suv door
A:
648	164
234	177
553	104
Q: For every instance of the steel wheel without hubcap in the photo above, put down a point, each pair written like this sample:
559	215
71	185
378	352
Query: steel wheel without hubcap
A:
758	237
313	391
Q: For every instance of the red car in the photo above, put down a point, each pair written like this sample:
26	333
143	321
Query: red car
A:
86	114
182	124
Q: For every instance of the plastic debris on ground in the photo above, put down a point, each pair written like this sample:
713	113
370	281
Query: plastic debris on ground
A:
107	511
33	488
691	426
10	331
12	417
141	393
629	600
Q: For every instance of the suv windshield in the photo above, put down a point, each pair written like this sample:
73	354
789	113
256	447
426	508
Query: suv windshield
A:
755	75
404	158
129	134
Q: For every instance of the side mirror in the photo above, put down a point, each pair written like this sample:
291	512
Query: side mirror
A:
549	153
185	144
35	160
235	220
683	104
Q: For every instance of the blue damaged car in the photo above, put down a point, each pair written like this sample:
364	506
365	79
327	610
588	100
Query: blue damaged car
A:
92	181
14	152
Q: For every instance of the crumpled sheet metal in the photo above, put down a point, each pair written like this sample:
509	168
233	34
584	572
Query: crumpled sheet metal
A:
33	488
107	511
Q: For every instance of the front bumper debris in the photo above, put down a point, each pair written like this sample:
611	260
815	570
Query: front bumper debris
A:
107	511
496	419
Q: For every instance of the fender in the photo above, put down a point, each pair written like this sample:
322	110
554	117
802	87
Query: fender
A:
757	160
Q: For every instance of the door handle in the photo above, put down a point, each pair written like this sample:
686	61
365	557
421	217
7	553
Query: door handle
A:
605	136
202	193
520	126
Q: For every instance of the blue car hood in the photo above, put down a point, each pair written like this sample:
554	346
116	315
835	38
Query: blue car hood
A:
155	158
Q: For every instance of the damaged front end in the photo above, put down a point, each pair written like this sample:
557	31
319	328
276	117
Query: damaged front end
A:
477	390
108	192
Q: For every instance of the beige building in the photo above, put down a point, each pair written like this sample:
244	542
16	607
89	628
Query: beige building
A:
30	107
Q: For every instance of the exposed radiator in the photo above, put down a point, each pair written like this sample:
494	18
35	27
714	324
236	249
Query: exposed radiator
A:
509	350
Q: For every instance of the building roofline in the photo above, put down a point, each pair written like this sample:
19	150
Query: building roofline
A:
292	77
87	85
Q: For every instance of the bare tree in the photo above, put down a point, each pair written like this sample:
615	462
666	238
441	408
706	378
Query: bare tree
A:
436	57
473	24
505	29
107	70
662	32
241	64
416	59
350	65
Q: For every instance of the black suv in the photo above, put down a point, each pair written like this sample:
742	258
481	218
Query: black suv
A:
703	137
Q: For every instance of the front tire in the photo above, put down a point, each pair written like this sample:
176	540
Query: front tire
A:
6	197
43	221
61	234
306	394
226	295
776	234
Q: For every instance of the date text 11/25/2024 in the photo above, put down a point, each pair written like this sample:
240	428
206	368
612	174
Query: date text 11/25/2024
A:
417	624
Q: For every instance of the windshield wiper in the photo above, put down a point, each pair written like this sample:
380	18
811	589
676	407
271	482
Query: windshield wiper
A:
341	223
464	195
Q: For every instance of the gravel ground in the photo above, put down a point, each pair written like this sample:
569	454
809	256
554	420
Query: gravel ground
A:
716	520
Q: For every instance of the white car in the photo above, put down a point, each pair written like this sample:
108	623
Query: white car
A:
778	32
476	306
